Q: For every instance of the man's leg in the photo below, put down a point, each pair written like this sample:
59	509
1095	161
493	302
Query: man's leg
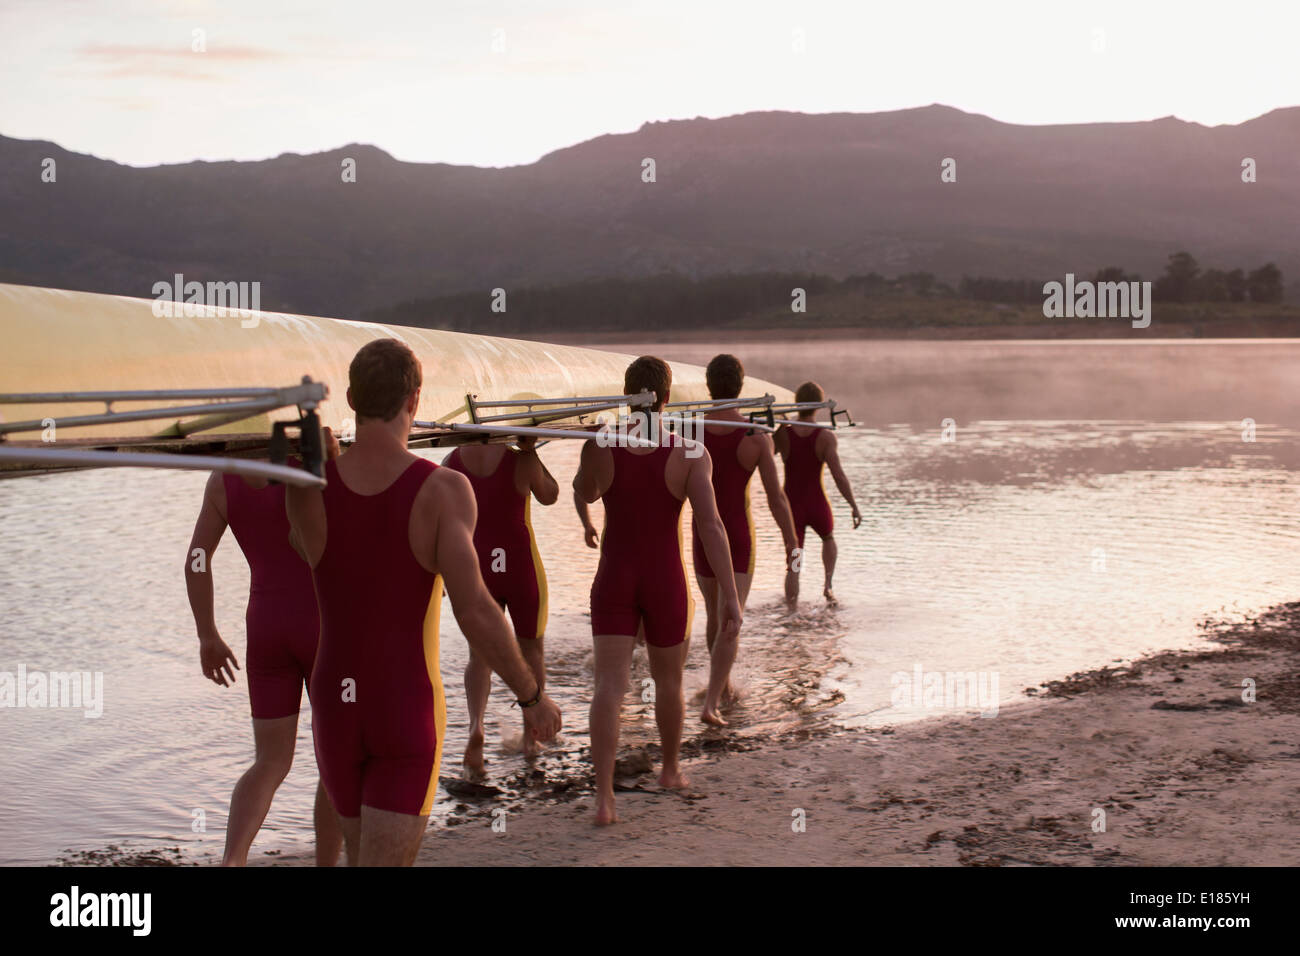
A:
478	684
351	827
329	834
829	554
273	743
534	655
792	573
709	591
390	839
723	658
666	665
611	663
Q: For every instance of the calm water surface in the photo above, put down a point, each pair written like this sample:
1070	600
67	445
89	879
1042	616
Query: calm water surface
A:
1097	502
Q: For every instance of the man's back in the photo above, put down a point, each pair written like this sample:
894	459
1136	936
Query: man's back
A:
377	537
376	689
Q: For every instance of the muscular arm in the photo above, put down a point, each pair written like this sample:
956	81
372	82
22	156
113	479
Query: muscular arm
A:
831	456
216	660
541	483
713	535
478	615
595	473
782	440
589	531
305	508
208	531
776	499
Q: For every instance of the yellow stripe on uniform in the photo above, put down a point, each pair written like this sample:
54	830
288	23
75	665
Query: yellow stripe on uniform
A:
431	617
690	598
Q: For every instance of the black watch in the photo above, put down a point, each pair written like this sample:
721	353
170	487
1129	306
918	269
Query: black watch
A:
531	703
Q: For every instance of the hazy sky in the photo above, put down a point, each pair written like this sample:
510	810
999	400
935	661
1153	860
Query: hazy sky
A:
422	80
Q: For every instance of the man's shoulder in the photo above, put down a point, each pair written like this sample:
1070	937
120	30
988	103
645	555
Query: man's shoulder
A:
689	449
445	480
598	448
756	445
444	485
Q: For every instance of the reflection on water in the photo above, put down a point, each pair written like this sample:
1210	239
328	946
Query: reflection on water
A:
1028	547
1023	550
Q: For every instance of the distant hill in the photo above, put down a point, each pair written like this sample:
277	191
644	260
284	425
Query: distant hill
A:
837	194
735	306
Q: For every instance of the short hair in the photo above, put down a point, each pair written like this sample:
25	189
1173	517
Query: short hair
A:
383	376
809	392
649	374
725	376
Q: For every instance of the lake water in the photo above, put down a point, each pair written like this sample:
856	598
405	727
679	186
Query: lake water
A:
1096	501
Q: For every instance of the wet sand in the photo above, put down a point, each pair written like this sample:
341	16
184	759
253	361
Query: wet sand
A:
1184	770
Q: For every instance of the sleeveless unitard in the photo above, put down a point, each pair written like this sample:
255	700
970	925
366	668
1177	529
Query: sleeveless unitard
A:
803	485
507	549
281	621
731	490
378	711
641	577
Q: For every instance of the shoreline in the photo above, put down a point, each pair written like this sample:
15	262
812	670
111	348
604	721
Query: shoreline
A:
1185	772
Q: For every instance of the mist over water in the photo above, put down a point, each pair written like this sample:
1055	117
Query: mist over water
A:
922	382
1097	502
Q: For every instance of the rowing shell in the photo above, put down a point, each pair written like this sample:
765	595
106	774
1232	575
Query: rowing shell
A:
58	341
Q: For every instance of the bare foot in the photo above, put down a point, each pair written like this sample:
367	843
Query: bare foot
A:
830	598
605	814
710	716
673	779
475	764
730	695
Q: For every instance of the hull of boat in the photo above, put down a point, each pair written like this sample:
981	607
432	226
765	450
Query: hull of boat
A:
56	341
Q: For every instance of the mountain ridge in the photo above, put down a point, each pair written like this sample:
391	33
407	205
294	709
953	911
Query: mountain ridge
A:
836	193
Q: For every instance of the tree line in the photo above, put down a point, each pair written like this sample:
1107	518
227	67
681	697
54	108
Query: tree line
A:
676	301
1182	281
670	300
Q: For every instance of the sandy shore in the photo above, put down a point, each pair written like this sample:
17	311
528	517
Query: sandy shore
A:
1184	770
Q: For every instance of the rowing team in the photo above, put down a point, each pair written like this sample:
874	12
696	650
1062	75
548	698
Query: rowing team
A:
346	587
